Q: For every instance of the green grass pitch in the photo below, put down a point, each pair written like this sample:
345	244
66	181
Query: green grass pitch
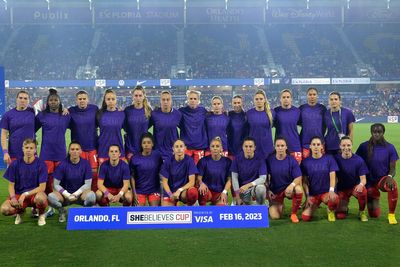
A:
317	243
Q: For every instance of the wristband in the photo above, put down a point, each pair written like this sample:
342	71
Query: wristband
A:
390	175
253	183
293	184
106	193
26	194
5	151
224	192
331	189
121	193
180	189
169	194
361	184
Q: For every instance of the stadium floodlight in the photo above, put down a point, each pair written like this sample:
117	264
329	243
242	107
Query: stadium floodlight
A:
267	4
138	4
226	4
308	4
48	4
388	4
348	4
184	4
90	4
5	4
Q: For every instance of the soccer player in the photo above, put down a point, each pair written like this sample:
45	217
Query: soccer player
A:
284	180
137	118
110	121
17	125
311	120
84	131
287	117
145	168
249	173
351	180
192	125
237	129
54	125
381	157
27	178
114	179
217	124
339	122
165	120
260	121
72	182
178	177
319	181
214	176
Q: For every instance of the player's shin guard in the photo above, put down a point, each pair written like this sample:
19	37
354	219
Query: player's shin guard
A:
54	201
94	181
362	199
296	202
392	196
261	192
49	184
192	196
90	199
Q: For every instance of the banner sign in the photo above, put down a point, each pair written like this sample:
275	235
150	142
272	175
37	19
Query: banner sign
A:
303	15
393	119
375	14
297	81
351	80
38	15
4	16
220	15
150	15
120	218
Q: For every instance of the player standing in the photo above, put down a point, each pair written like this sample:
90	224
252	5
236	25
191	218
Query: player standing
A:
237	129
217	124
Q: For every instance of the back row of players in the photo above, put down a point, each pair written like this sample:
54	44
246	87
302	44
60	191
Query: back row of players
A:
248	172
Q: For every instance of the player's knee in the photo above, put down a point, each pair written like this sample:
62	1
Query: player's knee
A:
306	217
41	199
192	195
5	209
274	213
374	213
341	215
54	201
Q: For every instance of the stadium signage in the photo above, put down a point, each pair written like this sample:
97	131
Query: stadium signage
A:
351	80
297	81
120	218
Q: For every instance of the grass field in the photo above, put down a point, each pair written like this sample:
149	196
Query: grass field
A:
317	243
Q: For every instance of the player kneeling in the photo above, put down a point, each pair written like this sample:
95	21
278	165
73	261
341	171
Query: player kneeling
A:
113	180
178	175
249	173
214	176
284	181
27	178
72	182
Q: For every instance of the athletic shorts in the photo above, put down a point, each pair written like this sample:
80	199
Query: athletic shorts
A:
91	156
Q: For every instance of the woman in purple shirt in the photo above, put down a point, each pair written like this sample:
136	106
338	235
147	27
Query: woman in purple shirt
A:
217	124
110	121
381	157
284	180
237	129
178	175
137	118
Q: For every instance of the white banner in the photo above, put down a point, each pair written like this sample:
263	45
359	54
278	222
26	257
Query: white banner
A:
300	81
351	80
100	83
165	82
393	119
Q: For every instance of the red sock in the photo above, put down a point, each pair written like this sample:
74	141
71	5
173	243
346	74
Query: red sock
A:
362	199
104	201
296	201
49	184
392	195
94	181
192	196
332	205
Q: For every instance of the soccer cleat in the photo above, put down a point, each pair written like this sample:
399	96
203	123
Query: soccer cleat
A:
294	218
42	220
49	212
331	216
363	216
62	215
392	218
35	213
18	219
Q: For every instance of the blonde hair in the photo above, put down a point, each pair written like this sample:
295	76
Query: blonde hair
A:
267	107
146	104
29	141
198	93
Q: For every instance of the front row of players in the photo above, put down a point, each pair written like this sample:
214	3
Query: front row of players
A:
321	177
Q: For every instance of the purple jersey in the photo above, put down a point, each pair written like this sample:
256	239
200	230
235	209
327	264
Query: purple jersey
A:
312	123
54	126
83	126
26	176
165	130
237	131
282	172
215	172
217	126
72	176
317	172
146	171
341	119
193	128
136	124
110	124
178	172
350	171
114	176
248	170
286	121
260	130
20	126
379	164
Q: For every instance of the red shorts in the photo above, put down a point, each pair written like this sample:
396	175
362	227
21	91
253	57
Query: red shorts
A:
208	153
169	200
297	156
279	198
346	194
373	191
91	156
51	165
151	198
210	196
28	201
318	199
101	160
195	154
